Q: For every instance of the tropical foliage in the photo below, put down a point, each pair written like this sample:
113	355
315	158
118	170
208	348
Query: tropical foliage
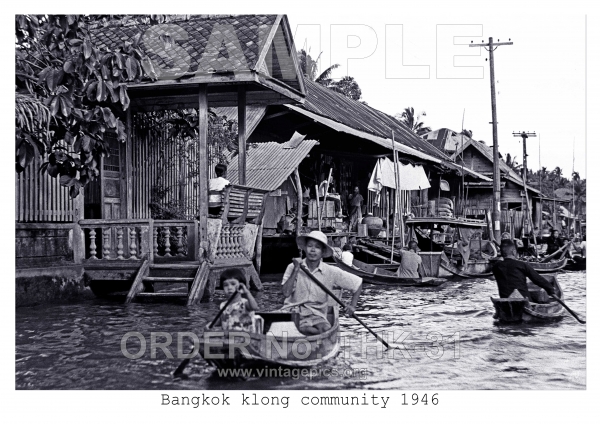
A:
413	122
69	93
310	68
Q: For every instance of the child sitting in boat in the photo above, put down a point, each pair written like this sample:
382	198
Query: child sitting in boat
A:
239	315
347	256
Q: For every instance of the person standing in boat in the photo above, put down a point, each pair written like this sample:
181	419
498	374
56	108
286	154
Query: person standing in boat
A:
356	201
511	274
411	264
302	295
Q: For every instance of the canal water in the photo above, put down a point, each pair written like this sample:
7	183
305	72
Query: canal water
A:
447	334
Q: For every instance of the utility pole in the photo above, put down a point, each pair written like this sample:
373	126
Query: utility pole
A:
490	46
525	135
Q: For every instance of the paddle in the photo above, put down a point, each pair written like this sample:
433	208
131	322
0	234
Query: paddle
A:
568	309
552	256
334	297
179	370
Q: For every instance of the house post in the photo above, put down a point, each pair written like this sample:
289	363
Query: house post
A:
202	172
242	135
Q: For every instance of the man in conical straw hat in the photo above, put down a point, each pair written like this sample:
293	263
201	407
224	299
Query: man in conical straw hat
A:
302	295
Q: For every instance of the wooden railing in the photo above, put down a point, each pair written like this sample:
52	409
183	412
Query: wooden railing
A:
174	239
138	239
115	239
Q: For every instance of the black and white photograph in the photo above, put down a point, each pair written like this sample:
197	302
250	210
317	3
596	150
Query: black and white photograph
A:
318	210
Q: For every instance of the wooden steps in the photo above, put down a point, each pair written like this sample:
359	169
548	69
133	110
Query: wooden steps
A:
193	275
169	280
165	295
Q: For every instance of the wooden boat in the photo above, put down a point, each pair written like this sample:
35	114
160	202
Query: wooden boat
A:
552	266
439	258
541	308
378	275
270	347
576	264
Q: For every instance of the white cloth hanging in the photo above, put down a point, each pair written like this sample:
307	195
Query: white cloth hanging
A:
383	175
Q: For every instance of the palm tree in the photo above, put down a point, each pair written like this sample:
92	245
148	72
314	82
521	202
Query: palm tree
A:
310	68
558	175
512	162
414	124
348	87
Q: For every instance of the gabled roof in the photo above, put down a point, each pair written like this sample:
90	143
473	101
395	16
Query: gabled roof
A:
257	48
336	107
269	164
445	139
488	152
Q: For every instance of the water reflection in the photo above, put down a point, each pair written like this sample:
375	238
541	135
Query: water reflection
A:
77	346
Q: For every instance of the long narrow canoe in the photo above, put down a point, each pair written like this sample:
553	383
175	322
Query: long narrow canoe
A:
540	309
270	347
380	276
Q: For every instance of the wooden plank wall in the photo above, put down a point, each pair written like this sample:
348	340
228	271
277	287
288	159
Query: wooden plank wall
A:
40	198
160	162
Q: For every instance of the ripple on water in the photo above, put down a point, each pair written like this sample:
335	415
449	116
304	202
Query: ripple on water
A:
447	332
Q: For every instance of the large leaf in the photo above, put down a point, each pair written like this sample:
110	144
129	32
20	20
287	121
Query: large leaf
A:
87	48
51	81
100	94
54	105
53	170
66	181
130	68
91	90
69	67
124	97
75	190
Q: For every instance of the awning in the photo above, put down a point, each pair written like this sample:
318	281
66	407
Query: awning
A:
411	177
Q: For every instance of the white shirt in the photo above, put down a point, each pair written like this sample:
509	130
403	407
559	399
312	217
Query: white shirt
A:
216	184
347	258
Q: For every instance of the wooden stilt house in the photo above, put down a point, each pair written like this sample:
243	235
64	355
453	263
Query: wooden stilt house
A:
109	231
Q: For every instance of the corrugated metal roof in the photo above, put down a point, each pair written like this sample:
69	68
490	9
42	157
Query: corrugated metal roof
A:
336	107
253	115
269	164
376	139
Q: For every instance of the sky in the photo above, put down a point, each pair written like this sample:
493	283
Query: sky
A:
418	56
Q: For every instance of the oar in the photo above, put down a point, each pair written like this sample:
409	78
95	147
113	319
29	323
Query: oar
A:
552	256
568	309
186	361
334	297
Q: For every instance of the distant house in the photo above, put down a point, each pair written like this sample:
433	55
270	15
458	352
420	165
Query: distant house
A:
479	157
